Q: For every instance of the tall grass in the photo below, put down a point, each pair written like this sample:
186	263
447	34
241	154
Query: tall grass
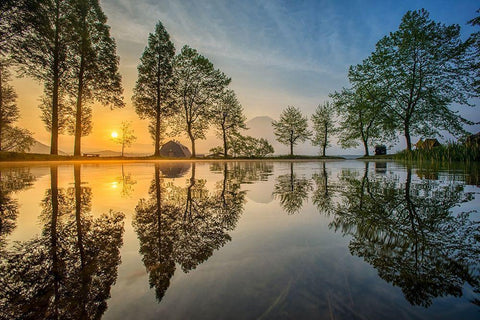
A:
450	152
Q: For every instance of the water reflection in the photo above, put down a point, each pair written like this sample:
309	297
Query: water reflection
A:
292	191
407	231
67	271
11	181
185	224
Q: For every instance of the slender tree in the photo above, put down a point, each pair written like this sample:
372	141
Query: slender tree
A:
291	128
228	118
199	85
323	126
154	89
422	68
94	65
42	53
126	137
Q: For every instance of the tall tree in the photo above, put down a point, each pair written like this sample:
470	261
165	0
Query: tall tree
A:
323	126
94	65
423	68
292	127
228	118
154	89
199	85
42	53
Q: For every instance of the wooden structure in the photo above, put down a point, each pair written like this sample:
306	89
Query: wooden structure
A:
91	155
174	149
428	144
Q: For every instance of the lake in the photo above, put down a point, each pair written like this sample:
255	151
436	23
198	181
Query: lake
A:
239	240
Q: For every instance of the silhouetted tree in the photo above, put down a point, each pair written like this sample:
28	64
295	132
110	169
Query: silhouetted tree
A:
126	137
228	118
153	92
94	66
198	86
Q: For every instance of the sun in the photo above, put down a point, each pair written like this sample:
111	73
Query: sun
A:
114	134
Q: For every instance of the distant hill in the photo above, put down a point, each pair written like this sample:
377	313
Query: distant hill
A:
41	148
111	153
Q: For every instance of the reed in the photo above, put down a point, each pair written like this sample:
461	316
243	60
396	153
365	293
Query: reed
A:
450	152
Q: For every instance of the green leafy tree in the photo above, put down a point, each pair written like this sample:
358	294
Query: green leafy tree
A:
422	68
323	126
17	139
362	118
153	92
249	147
291	190
228	118
126	137
198	86
94	66
292	127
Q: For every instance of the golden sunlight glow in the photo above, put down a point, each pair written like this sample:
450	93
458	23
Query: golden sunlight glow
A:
114	184
114	134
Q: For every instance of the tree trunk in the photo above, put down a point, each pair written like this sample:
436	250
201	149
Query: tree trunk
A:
157	133
365	146
56	82
225	147
291	143
123	146
292	180
407	137
325	137
78	117
192	139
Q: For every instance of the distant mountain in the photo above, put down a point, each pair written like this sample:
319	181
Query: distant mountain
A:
111	153
39	147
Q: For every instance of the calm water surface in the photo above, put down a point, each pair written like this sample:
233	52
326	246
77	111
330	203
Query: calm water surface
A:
239	240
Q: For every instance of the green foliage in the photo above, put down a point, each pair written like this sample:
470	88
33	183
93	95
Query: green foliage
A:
249	147
475	52
198	86
323	125
228	118
154	89
16	139
292	127
421	69
449	152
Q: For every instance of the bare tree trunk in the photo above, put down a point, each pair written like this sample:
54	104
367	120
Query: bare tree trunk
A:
225	147
56	82
78	117
192	139
1	106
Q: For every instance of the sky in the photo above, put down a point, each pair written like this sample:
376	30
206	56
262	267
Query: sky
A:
278	53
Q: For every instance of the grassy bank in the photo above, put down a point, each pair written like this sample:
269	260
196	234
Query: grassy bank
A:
451	152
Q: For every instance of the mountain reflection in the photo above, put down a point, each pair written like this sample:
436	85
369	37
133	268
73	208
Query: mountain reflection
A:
11	180
185	224
408	232
292	191
67	271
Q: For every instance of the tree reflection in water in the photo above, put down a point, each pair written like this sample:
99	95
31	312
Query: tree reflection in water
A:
408	232
11	181
185	225
292	191
67	272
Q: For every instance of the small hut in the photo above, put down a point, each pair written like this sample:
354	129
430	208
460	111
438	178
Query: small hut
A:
380	150
428	144
174	149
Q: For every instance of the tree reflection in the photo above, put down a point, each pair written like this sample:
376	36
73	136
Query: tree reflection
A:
185	225
407	231
127	183
11	181
67	271
292	191
323	194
